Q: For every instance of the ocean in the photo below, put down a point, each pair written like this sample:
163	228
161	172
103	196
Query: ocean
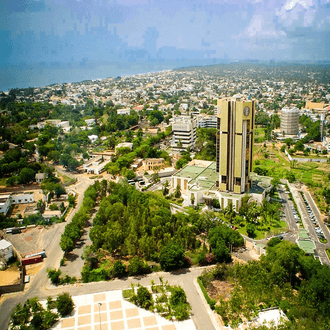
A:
43	74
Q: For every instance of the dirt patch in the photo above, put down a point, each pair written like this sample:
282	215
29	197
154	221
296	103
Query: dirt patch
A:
220	289
9	276
28	239
33	269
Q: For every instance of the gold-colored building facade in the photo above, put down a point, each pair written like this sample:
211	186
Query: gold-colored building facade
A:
235	139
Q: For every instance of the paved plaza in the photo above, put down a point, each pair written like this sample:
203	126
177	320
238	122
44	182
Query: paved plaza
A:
110	311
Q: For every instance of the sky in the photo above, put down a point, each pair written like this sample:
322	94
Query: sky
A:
119	31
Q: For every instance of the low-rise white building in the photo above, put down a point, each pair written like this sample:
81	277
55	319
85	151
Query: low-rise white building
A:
5	202
90	122
93	138
6	249
124	145
124	111
96	165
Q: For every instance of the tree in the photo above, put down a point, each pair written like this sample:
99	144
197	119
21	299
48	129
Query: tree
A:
54	275
66	244
299	146
251	229
165	188
177	193
26	175
41	206
171	257
64	304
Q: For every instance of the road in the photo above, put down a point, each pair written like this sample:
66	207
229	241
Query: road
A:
54	255
308	224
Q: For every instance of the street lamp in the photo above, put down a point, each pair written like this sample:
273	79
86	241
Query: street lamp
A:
100	304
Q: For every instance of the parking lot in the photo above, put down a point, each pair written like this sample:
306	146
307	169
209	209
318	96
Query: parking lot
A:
33	239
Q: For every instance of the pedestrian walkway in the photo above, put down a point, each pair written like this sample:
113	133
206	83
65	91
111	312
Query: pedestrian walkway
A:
110	311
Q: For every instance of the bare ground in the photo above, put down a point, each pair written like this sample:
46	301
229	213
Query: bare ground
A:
9	276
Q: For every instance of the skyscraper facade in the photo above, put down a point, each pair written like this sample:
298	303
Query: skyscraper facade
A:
235	139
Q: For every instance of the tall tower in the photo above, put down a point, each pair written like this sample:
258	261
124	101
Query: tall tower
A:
235	144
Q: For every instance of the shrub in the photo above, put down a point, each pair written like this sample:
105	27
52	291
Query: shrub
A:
210	301
119	269
136	266
64	304
144	298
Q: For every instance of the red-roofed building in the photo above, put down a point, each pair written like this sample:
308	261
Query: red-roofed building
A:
139	107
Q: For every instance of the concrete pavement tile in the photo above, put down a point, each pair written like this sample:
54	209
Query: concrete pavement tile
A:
84	320
150	320
117	325
104	326
115	304
99	297
66	323
169	327
84	309
102	308
132	312
88	327
153	328
116	315
104	317
133	323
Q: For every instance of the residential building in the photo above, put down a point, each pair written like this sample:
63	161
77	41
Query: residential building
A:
152	163
39	177
96	165
290	121
124	111
93	138
124	145
184	132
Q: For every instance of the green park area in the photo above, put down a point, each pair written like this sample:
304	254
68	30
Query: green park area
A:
271	161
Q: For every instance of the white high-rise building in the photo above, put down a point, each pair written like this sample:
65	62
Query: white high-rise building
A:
184	132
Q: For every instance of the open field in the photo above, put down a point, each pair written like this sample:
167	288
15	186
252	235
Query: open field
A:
9	276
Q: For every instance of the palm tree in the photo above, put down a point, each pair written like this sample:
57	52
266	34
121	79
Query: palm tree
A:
229	212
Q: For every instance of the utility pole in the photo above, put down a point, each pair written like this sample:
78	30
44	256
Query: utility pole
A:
100	304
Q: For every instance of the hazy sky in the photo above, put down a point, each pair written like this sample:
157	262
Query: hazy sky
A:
130	30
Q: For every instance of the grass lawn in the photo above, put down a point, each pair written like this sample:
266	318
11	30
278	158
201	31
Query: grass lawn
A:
264	231
67	180
328	252
314	175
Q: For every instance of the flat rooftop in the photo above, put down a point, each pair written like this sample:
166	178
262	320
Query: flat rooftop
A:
307	246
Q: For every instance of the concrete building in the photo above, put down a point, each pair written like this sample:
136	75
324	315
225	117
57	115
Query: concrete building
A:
207	121
234	153
184	132
151	163
96	165
290	121
124	111
6	249
5	202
